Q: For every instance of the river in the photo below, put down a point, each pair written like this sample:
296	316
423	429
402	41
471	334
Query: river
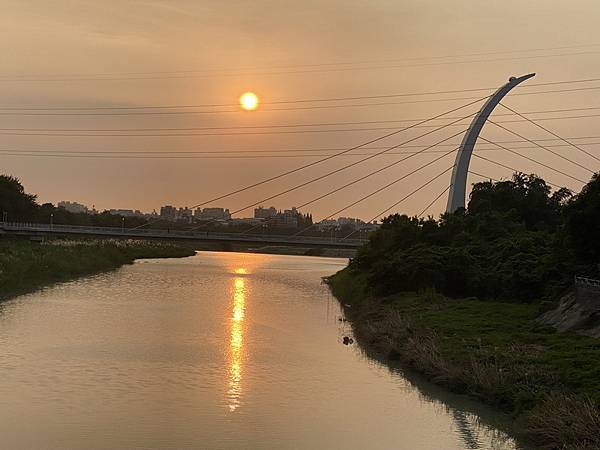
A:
214	351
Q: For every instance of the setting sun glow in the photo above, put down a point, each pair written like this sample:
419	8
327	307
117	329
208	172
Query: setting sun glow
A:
249	101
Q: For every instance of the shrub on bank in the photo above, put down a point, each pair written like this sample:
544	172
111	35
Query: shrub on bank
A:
25	265
515	241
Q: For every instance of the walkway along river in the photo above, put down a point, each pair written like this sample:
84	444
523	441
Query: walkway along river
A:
219	350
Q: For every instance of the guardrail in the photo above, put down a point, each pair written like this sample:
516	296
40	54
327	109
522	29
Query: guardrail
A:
121	231
587	282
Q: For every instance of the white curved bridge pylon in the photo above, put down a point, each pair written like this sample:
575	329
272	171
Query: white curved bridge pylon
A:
458	186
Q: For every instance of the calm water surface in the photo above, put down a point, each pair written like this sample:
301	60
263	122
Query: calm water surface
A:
216	351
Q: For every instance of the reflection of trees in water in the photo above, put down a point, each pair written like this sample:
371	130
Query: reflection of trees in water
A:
467	434
471	429
475	425
474	432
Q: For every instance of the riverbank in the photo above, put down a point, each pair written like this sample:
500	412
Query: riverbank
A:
494	351
26	265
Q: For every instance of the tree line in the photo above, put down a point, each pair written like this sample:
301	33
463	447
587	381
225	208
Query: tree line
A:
516	240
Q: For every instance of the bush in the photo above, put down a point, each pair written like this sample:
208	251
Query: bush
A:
515	241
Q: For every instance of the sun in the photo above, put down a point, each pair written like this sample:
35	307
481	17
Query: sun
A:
249	101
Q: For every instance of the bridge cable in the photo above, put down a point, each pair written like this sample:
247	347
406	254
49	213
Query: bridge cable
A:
486	177
526	157
333	191
512	169
376	191
540	146
404	198
313	180
297	169
434	200
289	172
551	132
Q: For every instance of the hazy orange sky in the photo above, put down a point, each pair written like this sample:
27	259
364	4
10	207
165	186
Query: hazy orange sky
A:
135	53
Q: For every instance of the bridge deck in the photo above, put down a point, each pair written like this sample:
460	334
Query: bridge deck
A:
47	229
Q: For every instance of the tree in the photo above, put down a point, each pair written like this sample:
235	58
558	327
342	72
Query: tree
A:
17	204
527	197
582	222
508	244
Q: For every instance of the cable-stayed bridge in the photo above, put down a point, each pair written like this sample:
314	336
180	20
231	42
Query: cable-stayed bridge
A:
569	158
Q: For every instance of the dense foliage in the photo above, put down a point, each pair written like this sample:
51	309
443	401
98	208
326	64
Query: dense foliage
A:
26	265
516	240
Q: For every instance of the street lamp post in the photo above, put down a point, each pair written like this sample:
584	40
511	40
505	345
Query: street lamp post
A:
122	224
51	220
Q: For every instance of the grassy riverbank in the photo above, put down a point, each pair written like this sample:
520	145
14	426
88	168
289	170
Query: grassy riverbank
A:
25	265
495	351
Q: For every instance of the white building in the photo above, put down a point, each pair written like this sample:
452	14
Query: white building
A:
74	207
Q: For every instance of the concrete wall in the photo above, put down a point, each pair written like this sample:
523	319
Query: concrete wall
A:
587	296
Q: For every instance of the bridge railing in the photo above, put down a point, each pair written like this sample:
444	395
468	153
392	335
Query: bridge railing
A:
587	282
210	235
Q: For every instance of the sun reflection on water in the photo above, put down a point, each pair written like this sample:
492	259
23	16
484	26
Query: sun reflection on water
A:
236	341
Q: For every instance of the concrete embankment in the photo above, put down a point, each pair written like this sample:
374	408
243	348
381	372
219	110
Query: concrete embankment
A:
578	311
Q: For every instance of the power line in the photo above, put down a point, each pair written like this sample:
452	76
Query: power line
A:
287	72
290	150
249	153
550	132
279	102
312	107
335	63
295	125
92	155
124	132
236	105
435	200
237	110
532	160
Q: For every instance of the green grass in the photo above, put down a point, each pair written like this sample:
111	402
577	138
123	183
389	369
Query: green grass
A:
506	335
492	350
26	265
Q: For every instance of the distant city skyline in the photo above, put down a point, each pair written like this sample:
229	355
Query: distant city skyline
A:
217	214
